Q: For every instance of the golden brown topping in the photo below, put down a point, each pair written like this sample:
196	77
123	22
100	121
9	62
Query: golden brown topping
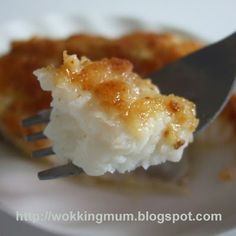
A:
126	96
173	106
178	144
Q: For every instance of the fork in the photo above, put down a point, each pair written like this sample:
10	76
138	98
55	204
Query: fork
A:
205	77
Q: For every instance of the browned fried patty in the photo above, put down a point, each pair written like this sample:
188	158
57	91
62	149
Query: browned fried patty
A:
21	95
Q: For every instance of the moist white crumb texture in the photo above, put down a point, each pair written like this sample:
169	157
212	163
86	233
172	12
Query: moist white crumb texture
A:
82	132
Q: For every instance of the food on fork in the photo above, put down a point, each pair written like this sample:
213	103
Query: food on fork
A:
21	95
106	118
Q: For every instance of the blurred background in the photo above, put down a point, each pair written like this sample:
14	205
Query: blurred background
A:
209	19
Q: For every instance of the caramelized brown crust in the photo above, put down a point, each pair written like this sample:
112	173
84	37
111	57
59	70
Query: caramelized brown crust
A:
21	95
125	95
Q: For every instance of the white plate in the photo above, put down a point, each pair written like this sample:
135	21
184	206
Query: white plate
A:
22	191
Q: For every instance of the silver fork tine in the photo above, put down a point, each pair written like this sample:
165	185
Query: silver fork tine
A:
35	136
42	152
60	171
41	117
204	77
56	172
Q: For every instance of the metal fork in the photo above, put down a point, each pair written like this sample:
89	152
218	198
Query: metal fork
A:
204	77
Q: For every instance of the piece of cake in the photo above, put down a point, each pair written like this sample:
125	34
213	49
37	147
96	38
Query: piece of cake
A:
106	118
